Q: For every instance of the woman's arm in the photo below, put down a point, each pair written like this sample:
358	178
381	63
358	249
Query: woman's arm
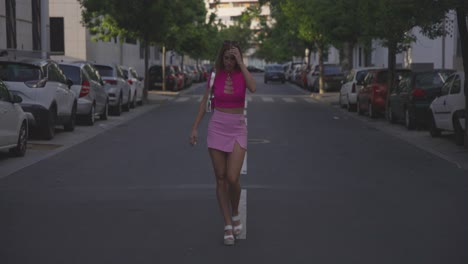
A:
249	81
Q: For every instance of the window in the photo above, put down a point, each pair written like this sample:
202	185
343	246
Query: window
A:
10	6
4	94
446	87
55	74
36	24
57	36
456	86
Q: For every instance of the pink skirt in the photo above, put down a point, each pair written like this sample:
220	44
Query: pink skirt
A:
225	129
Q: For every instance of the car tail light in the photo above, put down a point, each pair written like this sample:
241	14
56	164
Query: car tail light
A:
171	77
111	82
130	82
353	88
85	87
418	92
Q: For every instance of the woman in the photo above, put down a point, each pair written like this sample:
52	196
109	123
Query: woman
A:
227	132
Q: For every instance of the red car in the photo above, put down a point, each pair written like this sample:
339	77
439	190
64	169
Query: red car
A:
372	97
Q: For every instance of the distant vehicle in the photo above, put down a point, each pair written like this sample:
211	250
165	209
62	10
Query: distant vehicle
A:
333	76
155	75
254	69
372	96
14	125
274	72
45	91
136	85
410	99
351	85
447	112
116	86
89	89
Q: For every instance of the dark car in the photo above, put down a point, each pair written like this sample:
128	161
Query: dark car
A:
274	72
411	97
333	76
155	77
372	96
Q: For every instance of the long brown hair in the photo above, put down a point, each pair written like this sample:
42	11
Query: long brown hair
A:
227	44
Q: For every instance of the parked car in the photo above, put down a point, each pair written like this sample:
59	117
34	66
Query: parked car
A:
88	87
14	125
289	69
333	76
447	112
116	86
411	97
180	77
45	93
274	72
136	85
155	75
372	96
353	82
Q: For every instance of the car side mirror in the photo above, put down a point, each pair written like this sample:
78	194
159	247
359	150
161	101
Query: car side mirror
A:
69	83
16	99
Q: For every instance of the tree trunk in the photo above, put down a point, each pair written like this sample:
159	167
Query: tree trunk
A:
392	47
320	52
462	28
163	63
347	62
146	81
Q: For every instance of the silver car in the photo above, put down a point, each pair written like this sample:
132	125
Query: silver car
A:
116	86
136	85
89	89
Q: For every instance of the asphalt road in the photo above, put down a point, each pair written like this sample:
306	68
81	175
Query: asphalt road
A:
320	188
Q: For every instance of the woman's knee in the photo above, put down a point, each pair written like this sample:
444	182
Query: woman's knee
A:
233	180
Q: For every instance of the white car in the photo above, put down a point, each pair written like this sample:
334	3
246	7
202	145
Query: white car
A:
89	89
136	85
45	92
354	81
447	112
14	123
116	86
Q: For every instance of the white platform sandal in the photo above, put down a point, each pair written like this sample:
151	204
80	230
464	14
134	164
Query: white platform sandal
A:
228	239
237	228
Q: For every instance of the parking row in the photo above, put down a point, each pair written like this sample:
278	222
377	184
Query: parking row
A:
37	95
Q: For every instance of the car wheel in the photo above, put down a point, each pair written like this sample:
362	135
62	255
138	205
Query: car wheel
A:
90	117
370	110
390	117
409	122
126	107
358	108
433	130
70	125
133	104
48	128
105	112
459	135
118	107
22	143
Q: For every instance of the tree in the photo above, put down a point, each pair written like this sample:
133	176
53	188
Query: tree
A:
150	21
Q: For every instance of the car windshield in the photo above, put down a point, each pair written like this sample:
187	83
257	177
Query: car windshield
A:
105	70
19	72
428	80
276	68
72	72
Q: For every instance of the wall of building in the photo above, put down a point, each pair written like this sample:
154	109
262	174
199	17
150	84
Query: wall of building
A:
3	43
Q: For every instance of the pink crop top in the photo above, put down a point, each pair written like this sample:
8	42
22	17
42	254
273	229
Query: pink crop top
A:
226	98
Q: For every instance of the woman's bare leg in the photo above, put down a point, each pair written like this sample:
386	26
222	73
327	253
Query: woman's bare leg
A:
234	167
219	160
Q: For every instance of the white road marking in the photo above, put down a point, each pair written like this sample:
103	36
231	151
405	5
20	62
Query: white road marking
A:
267	99
289	100
309	100
243	213
244	165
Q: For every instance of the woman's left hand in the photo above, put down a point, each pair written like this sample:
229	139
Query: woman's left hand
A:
236	53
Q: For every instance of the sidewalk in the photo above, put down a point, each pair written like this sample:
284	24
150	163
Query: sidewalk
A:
443	147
